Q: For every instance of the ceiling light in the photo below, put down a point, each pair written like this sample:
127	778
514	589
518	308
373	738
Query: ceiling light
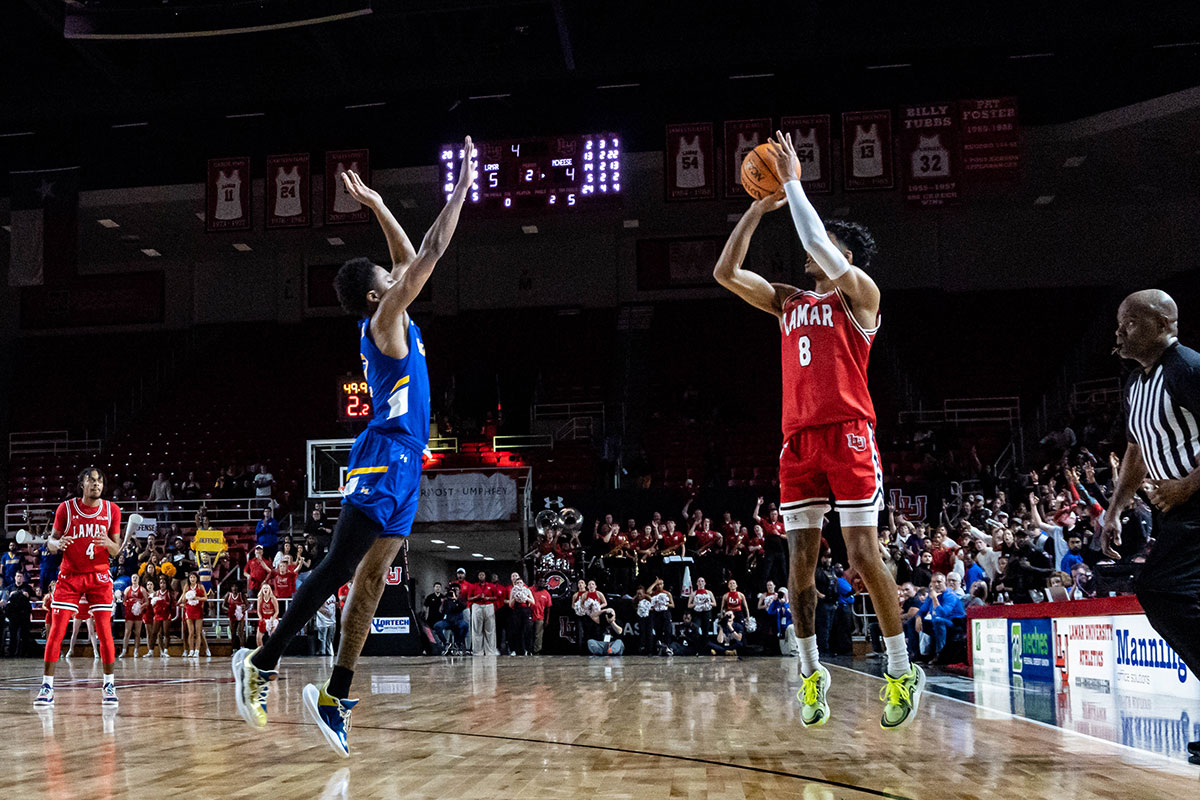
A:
365	105
529	229
488	96
108	223
1044	200
130	125
618	86
336	241
150	251
1175	44
631	223
488	558
15	134
888	66
241	247
477	555
436	541
1074	161
453	547
752	75
244	116
1031	55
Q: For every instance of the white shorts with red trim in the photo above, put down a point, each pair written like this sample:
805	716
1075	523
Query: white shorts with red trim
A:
831	466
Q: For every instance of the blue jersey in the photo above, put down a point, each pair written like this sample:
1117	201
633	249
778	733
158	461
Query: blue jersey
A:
399	388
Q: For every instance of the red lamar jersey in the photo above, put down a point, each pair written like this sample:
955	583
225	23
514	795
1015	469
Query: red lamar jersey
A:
84	531
825	355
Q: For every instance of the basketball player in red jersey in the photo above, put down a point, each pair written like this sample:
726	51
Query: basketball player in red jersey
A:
829	449
87	531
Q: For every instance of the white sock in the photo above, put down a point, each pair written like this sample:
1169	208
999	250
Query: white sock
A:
810	658
108	680
48	680
897	655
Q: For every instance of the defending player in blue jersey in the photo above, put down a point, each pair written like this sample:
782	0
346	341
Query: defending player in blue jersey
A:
383	484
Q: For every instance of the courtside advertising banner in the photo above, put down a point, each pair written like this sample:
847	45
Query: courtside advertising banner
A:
467	497
991	148
989	638
867	149
288	200
928	153
227	195
811	138
742	136
690	172
340	206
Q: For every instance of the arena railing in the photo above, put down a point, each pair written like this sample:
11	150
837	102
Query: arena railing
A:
443	444
222	513
522	441
21	443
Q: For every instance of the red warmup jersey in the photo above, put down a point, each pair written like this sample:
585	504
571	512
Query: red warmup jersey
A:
85	530
670	540
825	355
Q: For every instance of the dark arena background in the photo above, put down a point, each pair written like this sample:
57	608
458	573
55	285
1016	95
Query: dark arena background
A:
174	217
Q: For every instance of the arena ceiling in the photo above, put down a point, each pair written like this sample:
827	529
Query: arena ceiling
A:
413	73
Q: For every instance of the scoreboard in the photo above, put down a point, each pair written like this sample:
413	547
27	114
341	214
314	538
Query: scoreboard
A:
354	399
540	174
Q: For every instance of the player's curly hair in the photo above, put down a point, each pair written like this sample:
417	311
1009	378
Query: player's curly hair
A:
86	471
857	238
353	281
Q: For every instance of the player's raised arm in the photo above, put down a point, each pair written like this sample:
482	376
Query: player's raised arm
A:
433	246
852	281
399	245
750	286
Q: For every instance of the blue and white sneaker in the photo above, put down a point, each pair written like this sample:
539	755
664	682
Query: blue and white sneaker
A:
45	697
251	687
108	695
331	715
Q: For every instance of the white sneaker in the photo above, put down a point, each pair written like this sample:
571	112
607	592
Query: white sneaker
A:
108	695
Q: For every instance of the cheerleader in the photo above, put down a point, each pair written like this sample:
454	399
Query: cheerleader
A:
661	603
160	615
734	602
83	615
235	610
268	612
702	602
135	610
192	603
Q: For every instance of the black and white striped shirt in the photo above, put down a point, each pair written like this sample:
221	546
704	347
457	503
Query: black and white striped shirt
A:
1162	413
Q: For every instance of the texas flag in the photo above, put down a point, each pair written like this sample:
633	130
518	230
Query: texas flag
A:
45	241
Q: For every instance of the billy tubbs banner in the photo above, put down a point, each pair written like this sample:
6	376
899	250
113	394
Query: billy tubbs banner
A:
929	153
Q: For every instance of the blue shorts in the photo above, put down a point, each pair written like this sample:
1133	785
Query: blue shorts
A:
384	481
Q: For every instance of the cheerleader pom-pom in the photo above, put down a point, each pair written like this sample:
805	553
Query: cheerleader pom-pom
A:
643	608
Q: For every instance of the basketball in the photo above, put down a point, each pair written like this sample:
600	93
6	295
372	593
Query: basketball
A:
759	175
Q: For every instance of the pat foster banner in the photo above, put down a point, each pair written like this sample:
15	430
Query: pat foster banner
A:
929	153
467	497
991	144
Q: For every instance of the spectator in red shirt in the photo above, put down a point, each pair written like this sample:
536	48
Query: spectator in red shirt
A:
481	597
257	571
672	541
503	613
541	604
775	551
283	580
729	525
645	544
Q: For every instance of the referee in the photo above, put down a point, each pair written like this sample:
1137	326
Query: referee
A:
1162	414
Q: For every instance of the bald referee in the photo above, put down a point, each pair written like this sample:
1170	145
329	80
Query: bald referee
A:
1162	421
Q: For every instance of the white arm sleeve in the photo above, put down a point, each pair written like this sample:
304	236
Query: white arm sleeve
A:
812	233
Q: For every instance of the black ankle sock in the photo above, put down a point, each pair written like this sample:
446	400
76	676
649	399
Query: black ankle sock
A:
339	682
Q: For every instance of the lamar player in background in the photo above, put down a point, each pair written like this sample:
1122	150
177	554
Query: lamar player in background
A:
379	502
86	530
828	425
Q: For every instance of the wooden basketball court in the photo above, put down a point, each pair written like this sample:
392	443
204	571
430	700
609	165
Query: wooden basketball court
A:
545	727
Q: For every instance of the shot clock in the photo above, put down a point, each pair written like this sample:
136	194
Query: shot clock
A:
542	174
354	400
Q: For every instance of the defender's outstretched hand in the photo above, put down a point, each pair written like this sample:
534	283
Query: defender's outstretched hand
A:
467	172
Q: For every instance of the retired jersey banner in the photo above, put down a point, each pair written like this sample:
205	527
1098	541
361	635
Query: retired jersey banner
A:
991	148
928	153
810	135
690	162
867	149
340	206
288	194
741	136
467	497
227	195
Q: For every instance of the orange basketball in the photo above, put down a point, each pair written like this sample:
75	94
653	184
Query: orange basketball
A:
759	176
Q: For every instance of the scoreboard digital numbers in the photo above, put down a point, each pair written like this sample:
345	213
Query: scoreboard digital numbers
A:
354	399
542	174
